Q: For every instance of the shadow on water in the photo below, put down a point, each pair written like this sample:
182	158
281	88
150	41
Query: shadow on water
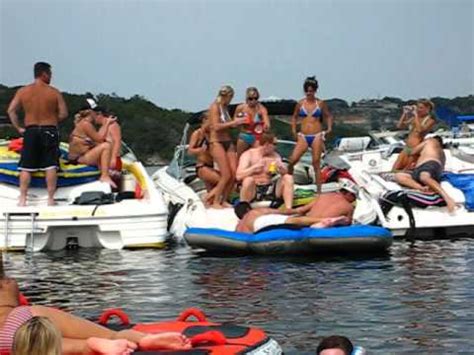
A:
417	298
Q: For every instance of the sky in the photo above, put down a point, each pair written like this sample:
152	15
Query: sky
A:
177	53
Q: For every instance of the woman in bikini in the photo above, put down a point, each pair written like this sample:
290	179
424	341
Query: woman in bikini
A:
87	146
313	112
78	336
199	146
257	121
419	121
222	147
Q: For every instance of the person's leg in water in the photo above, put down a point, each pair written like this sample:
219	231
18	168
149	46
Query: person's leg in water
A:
425	178
285	190
25	178
407	180
300	148
317	150
76	331
51	181
100	157
248	189
220	158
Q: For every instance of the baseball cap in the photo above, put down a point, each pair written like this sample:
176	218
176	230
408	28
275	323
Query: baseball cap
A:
348	185
103	110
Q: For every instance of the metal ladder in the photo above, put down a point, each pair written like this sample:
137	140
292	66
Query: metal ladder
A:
8	219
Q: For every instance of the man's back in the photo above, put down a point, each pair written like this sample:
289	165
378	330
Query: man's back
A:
331	204
40	103
432	150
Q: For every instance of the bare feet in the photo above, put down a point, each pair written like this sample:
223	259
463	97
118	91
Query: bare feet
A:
451	205
217	206
22	201
110	347
51	201
169	340
109	181
226	204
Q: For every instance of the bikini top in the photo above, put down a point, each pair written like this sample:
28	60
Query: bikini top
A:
425	119
256	124
224	115
317	112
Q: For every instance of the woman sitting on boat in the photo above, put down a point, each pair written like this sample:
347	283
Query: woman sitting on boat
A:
313	112
222	147
199	146
78	336
257	121
419	121
87	146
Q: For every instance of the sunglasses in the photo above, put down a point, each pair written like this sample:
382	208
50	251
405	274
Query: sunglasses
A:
252	98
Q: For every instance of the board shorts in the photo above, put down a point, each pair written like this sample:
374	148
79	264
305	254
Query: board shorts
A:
432	167
40	148
269	220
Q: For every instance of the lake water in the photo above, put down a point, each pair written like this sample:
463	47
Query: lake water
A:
418	298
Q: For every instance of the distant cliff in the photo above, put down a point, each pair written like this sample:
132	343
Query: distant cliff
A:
153	132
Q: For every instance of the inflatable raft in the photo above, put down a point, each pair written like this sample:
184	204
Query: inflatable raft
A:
288	239
206	337
68	174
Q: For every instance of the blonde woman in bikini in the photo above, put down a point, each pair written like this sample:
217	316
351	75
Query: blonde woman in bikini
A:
419	121
87	146
222	147
312	112
257	121
199	146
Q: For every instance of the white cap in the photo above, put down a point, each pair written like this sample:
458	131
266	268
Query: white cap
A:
348	185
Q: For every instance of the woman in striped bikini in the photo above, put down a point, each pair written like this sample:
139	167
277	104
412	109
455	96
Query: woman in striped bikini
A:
79	336
313	112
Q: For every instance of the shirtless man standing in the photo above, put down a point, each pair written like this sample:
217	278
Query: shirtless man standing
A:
257	166
429	168
44	108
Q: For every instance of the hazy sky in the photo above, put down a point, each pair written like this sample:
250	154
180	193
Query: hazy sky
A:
178	52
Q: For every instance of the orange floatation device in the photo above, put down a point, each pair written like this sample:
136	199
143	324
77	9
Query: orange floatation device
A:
206	337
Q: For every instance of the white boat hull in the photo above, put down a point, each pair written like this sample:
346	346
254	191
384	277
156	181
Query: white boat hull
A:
130	223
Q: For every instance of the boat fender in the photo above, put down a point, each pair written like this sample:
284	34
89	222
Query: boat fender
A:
109	313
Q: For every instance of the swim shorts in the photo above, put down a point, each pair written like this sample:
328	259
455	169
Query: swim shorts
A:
432	167
40	148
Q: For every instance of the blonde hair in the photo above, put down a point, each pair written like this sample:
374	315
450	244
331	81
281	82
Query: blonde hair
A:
78	117
252	90
224	91
427	103
37	336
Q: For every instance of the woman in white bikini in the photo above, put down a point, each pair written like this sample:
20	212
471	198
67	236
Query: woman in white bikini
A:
222	147
419	121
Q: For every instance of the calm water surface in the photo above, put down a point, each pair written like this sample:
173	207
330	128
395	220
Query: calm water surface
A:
419	298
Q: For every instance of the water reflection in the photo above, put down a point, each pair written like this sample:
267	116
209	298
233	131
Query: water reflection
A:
418	298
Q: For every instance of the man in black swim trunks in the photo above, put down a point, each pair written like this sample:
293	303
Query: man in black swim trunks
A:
427	174
263	173
44	108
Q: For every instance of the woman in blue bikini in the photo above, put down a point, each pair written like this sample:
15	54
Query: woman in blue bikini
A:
313	112
257	120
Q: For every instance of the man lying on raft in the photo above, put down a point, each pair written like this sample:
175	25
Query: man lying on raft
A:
327	210
428	171
79	336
